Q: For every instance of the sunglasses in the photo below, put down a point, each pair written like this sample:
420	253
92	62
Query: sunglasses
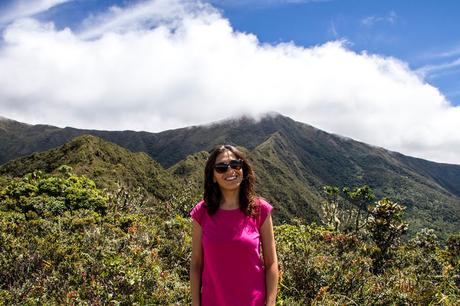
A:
235	164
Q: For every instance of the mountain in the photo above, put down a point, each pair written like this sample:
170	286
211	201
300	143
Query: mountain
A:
292	160
109	165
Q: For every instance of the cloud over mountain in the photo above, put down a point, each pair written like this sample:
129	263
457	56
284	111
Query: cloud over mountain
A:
157	65
25	8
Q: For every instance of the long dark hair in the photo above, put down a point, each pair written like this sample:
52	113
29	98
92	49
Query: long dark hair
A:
213	195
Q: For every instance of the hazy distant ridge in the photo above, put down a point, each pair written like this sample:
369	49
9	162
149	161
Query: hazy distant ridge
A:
293	161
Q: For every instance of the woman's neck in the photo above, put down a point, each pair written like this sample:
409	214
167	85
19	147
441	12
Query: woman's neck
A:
230	199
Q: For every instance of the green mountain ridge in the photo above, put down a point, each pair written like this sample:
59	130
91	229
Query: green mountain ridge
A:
169	147
282	176
108	164
293	162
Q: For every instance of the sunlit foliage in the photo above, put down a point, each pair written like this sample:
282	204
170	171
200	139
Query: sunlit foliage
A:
63	241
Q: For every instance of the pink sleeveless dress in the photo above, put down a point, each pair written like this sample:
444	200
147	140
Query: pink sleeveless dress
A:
233	271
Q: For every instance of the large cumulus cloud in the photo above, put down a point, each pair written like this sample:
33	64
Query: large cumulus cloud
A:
158	65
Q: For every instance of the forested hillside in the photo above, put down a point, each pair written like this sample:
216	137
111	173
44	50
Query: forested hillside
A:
292	165
63	241
92	223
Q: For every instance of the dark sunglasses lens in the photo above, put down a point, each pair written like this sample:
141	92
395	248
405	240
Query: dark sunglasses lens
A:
221	167
236	164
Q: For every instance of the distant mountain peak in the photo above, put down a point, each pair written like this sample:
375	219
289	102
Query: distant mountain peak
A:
232	120
87	138
7	125
294	160
245	119
5	119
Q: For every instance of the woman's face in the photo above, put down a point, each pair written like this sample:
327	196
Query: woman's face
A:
230	179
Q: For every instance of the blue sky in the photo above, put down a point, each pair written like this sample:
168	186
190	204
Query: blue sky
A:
422	33
382	72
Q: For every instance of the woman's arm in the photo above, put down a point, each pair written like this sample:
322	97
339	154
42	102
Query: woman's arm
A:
196	264
270	260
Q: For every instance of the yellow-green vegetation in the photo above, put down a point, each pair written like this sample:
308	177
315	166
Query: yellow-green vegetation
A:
292	160
64	241
322	267
107	164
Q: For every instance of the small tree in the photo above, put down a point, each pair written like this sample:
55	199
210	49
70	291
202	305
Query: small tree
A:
386	228
361	198
453	255
348	211
331	207
40	194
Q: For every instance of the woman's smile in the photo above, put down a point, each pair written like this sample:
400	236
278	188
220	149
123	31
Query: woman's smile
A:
231	178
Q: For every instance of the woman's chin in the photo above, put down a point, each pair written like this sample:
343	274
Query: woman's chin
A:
232	185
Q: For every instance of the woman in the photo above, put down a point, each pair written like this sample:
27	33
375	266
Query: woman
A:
228	227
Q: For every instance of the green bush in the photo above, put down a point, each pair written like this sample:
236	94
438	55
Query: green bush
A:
43	195
60	244
65	242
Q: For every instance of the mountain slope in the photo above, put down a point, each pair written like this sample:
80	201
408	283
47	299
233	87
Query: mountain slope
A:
317	159
169	147
293	161
282	177
109	165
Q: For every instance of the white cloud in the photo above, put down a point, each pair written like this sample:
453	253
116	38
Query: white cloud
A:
449	53
188	66
332	30
390	18
433	69
145	15
26	8
261	3
453	51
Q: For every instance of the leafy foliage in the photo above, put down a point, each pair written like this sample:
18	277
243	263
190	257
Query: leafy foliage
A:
325	267
39	195
110	166
360	197
64	241
293	161
386	228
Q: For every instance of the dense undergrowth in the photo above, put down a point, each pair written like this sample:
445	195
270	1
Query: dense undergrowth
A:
65	242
